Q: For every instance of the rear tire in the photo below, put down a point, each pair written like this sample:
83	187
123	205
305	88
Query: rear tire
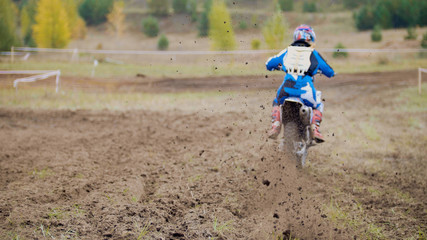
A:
291	140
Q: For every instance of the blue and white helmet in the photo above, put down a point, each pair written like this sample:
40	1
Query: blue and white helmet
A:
304	32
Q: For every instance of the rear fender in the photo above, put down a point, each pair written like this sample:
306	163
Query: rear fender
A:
294	108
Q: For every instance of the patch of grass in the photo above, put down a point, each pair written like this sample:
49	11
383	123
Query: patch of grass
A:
354	219
195	178
77	210
46	172
14	236
45	232
134	199
142	231
221	228
410	101
370	131
56	213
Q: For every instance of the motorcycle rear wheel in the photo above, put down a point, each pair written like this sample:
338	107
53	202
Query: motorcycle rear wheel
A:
295	144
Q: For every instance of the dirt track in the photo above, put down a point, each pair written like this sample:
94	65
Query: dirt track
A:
104	175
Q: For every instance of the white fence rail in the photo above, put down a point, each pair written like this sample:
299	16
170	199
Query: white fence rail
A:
41	75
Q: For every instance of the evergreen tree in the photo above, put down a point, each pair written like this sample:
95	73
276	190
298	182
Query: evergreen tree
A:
179	6
275	31
51	29
365	18
95	12
192	9
220	27
382	15
7	25
116	18
150	26
204	19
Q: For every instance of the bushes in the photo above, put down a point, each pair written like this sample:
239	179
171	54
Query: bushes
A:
411	34
179	6
309	7
163	43
150	26
95	12
158	7
376	35
255	44
286	5
243	25
338	53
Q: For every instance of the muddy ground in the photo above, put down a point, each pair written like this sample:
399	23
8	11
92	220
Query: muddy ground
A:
207	171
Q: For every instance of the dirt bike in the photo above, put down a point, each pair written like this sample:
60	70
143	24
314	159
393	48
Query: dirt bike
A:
297	131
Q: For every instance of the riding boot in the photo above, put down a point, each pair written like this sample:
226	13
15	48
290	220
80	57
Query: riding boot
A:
276	123
315	125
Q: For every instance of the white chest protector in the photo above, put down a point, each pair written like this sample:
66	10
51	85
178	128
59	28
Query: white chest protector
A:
297	60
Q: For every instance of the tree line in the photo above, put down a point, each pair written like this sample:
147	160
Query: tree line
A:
391	14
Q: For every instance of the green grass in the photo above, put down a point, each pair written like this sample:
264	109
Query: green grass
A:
370	131
142	232
222	228
43	173
410	101
354	219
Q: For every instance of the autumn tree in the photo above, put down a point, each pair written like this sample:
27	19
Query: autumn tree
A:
275	31
76	23
116	18
51	29
220	27
7	25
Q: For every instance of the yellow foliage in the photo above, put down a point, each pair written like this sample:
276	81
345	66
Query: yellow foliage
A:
76	23
220	29
116	18
275	31
51	29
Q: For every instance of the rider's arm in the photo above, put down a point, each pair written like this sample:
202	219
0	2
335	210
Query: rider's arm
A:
323	66
275	62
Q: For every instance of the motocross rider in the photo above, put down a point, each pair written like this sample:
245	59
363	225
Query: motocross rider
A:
300	62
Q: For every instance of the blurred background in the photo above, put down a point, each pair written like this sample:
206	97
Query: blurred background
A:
76	26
